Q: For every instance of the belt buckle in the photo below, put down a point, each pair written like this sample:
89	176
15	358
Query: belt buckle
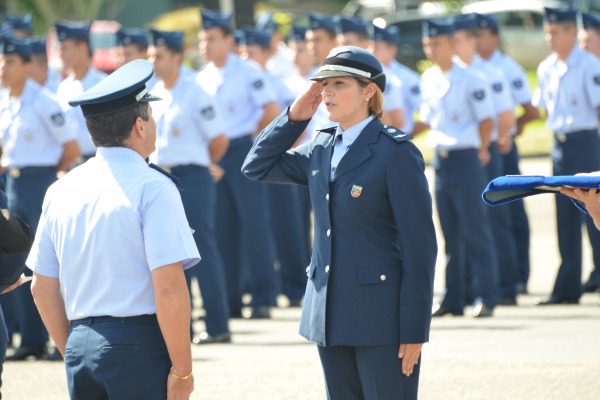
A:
14	173
443	153
561	137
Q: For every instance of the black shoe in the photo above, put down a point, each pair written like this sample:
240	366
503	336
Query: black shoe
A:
23	353
205	338
507	301
554	301
235	314
522	288
482	311
53	355
590	286
295	303
260	312
440	311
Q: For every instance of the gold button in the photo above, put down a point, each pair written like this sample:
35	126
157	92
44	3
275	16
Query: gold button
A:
327	269
383	278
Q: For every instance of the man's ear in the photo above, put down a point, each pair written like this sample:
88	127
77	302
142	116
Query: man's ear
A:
138	128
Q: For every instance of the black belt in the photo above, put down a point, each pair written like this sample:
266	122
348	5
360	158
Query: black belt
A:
143	319
183	168
240	140
18	172
450	153
564	136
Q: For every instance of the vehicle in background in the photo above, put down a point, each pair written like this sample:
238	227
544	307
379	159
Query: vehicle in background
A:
103	41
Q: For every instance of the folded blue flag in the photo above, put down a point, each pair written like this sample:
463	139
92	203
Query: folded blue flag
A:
513	187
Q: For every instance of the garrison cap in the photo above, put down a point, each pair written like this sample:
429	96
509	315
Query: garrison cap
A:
127	36
438	27
239	36
16	23
354	25
120	90
590	21
321	21
465	22
38	45
298	33
72	30
173	39
389	34
557	15
486	21
254	36
19	46
211	19
351	61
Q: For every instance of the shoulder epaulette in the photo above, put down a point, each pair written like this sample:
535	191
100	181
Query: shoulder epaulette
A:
396	134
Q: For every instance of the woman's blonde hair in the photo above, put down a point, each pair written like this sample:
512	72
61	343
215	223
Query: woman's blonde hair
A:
375	102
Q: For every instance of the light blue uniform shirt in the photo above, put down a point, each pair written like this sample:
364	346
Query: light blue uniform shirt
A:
515	76
569	91
285	95
501	97
186	121
104	228
53	80
393	97
411	91
240	90
69	88
454	104
348	136
33	128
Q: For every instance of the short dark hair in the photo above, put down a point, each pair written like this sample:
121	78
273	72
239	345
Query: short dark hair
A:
139	46
171	48
112	130
79	40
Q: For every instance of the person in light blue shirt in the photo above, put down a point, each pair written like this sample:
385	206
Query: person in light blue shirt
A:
569	91
488	42
76	55
465	45
189	139
457	106
246	102
110	253
36	148
40	72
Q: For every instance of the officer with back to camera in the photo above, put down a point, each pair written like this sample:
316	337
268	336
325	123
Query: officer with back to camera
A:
121	318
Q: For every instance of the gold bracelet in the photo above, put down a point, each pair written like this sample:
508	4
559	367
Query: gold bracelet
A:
181	378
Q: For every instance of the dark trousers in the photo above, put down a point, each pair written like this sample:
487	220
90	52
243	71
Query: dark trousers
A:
199	197
367	373
25	197
518	218
574	153
117	358
505	246
243	231
465	222
289	239
3	345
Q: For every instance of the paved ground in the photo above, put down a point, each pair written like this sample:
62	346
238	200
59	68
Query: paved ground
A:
523	352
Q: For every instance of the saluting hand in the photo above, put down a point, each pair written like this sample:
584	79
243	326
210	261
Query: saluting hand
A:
306	105
409	353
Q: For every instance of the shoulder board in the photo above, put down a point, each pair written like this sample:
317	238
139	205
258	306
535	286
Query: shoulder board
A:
172	177
396	134
331	130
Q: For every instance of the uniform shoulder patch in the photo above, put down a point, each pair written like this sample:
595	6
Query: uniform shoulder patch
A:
415	90
517	84
208	113
479	94
597	79
258	84
497	87
58	119
396	134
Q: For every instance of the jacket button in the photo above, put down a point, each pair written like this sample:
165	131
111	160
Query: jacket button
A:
327	269
307	269
383	278
327	197
328	232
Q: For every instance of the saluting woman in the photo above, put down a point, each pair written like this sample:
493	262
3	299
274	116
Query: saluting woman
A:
370	281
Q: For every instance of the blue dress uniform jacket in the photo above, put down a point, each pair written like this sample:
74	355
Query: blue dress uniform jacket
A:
370	280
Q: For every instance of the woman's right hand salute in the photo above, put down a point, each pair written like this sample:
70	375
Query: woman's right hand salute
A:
306	105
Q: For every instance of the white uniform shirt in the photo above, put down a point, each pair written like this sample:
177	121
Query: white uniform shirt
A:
285	96
411	91
281	64
501	97
454	103
186	121
69	88
53	80
104	228
240	90
33	128
514	74
569	91
393	97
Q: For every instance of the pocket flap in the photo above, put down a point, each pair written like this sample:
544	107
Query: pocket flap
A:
375	275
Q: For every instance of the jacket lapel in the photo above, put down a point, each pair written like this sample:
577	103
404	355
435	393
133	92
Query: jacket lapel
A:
359	151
